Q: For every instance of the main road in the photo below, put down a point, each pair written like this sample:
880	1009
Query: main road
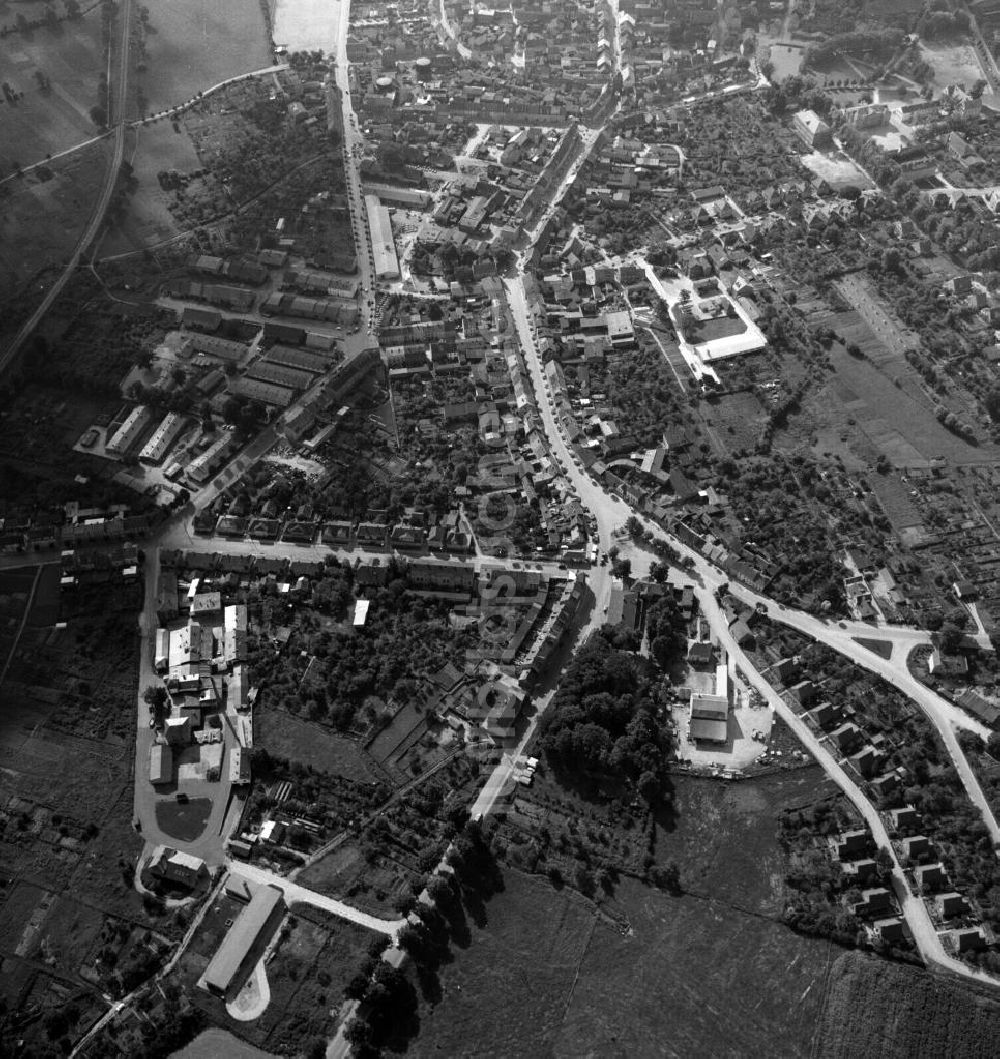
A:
843	638
120	128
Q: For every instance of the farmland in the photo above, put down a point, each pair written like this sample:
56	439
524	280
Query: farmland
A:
47	121
43	214
888	1010
194	44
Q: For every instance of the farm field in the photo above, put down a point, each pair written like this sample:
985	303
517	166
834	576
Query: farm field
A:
285	735
42	219
194	44
711	972
860	412
892	1011
47	122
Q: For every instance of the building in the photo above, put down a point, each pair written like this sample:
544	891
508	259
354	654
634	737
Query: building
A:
239	766
161	764
180	869
177	731
383	245
812	130
970	940
916	845
205	604
125	437
873	902
709	718
931	877
905	818
161	657
234	633
852	844
245	941
950	905
889	929
154	451
204	466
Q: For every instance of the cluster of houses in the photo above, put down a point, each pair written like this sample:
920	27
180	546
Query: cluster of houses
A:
955	917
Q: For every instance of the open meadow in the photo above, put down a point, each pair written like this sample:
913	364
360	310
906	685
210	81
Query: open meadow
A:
43	214
711	971
194	44
47	120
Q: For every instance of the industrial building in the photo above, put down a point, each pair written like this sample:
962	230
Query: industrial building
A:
163	437
245	942
383	244
125	437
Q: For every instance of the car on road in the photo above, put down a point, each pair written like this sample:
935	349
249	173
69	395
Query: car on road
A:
182	797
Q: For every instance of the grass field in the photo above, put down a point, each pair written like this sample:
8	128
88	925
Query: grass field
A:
311	744
712	972
879	647
148	220
890	1011
43	123
737	419
862	409
194	44
41	220
184	821
693	977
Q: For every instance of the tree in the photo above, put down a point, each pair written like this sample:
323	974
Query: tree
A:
649	787
155	696
99	116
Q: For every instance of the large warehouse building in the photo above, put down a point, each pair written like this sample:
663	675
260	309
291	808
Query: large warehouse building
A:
383	245
245	942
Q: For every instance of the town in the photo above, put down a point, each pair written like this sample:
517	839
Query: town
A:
492	496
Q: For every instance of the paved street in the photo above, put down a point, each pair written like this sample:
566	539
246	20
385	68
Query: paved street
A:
294	892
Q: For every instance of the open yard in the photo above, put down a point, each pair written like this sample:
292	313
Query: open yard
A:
47	121
194	44
286	735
